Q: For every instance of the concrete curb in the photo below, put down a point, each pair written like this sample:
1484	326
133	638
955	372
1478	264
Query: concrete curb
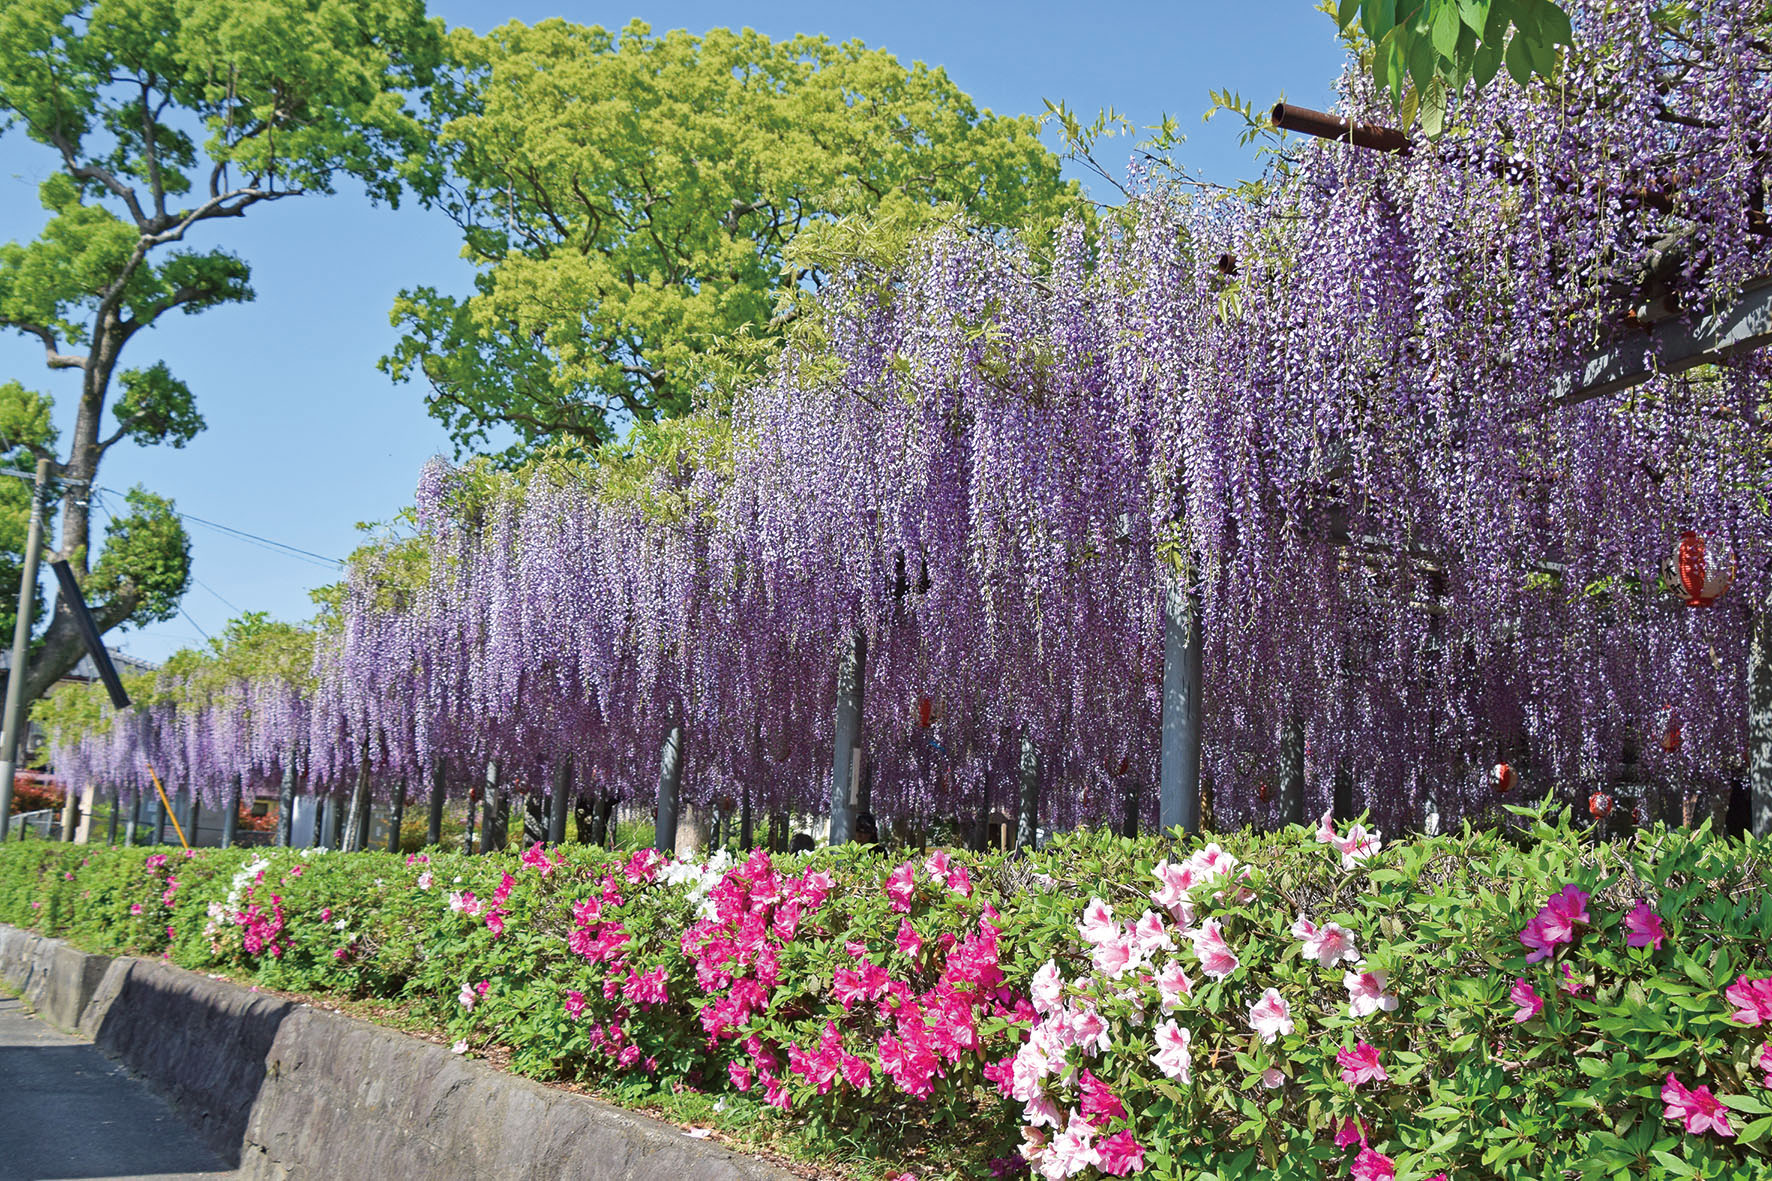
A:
56	981
289	1092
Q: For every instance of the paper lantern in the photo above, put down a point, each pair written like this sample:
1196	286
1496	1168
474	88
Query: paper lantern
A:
925	712
1599	805
1705	574
1505	778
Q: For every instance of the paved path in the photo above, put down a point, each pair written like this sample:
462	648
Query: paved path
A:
67	1111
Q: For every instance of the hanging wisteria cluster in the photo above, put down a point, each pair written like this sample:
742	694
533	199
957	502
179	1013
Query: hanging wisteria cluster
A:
1328	408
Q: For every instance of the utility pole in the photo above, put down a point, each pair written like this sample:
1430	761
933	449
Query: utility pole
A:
21	645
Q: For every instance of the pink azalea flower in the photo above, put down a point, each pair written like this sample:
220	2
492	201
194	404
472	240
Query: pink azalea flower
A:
1215	955
1271	1016
1097	925
1328	945
1360	1065
936	865
575	1004
1073	1149
1042	1112
1643	928
1349	1132
1273	1078
1173	985
909	942
901	886
466	998
1752	1000
135	908
1121	1155
1112	957
1089	1030
740	1075
1047	989
1366	994
1763	1060
1174	881
1150	935
1357	845
1172	1055
1698	1109
1569	983
1523	995
1372	1165
959	881
1326	828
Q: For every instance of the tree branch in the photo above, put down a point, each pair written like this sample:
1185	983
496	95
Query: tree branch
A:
103	176
53	357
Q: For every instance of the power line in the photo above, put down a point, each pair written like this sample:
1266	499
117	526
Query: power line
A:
217	594
271	544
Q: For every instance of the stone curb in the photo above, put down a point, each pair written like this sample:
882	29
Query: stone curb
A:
291	1093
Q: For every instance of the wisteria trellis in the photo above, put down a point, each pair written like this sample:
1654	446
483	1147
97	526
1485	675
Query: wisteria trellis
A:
1325	403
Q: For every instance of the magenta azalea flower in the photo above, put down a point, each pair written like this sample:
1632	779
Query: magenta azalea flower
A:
1372	1165
1121	1155
1752	1000
1349	1132
1643	928
1697	1109
1099	1104
1556	923
1360	1065
1763	1060
1525	996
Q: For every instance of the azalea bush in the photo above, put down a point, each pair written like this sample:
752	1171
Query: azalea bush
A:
1305	1004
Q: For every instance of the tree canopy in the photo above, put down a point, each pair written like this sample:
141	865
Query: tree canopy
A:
165	120
629	200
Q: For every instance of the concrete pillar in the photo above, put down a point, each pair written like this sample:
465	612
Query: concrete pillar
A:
70	814
357	819
135	819
193	816
286	804
335	823
1179	805
231	817
560	804
434	821
1759	724
1292	772
116	807
845	774
396	816
1027	812
670	779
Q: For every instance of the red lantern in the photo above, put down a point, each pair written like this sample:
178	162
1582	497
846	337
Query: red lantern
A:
925	712
1704	576
1639	815
1262	790
1505	778
1672	740
1599	805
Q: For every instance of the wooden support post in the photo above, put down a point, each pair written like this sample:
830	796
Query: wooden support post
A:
70	814
116	806
135	820
335	823
158	836
1027	812
357	824
1179	803
397	816
495	814
434	821
535	819
746	829
193	815
1759	724
845	788
231	818
670	779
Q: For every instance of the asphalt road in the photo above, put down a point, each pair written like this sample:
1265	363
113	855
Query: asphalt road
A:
67	1111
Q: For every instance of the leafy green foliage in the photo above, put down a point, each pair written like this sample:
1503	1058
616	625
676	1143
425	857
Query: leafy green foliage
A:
630	200
157	407
25	429
147	557
1426	51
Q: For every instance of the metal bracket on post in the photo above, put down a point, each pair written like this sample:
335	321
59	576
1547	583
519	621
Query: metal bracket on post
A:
1179	803
851	674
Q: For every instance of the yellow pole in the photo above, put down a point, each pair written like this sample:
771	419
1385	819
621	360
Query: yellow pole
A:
167	804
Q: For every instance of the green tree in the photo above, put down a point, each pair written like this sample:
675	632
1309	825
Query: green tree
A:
628	200
167	119
1423	51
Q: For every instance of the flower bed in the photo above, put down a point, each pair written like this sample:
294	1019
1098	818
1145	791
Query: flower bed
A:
1295	1005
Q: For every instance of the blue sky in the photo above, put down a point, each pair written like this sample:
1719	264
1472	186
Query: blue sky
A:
306	438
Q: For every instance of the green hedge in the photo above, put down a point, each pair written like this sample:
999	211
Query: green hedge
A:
880	1016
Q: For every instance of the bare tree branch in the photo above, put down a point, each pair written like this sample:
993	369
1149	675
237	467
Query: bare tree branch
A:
53	356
